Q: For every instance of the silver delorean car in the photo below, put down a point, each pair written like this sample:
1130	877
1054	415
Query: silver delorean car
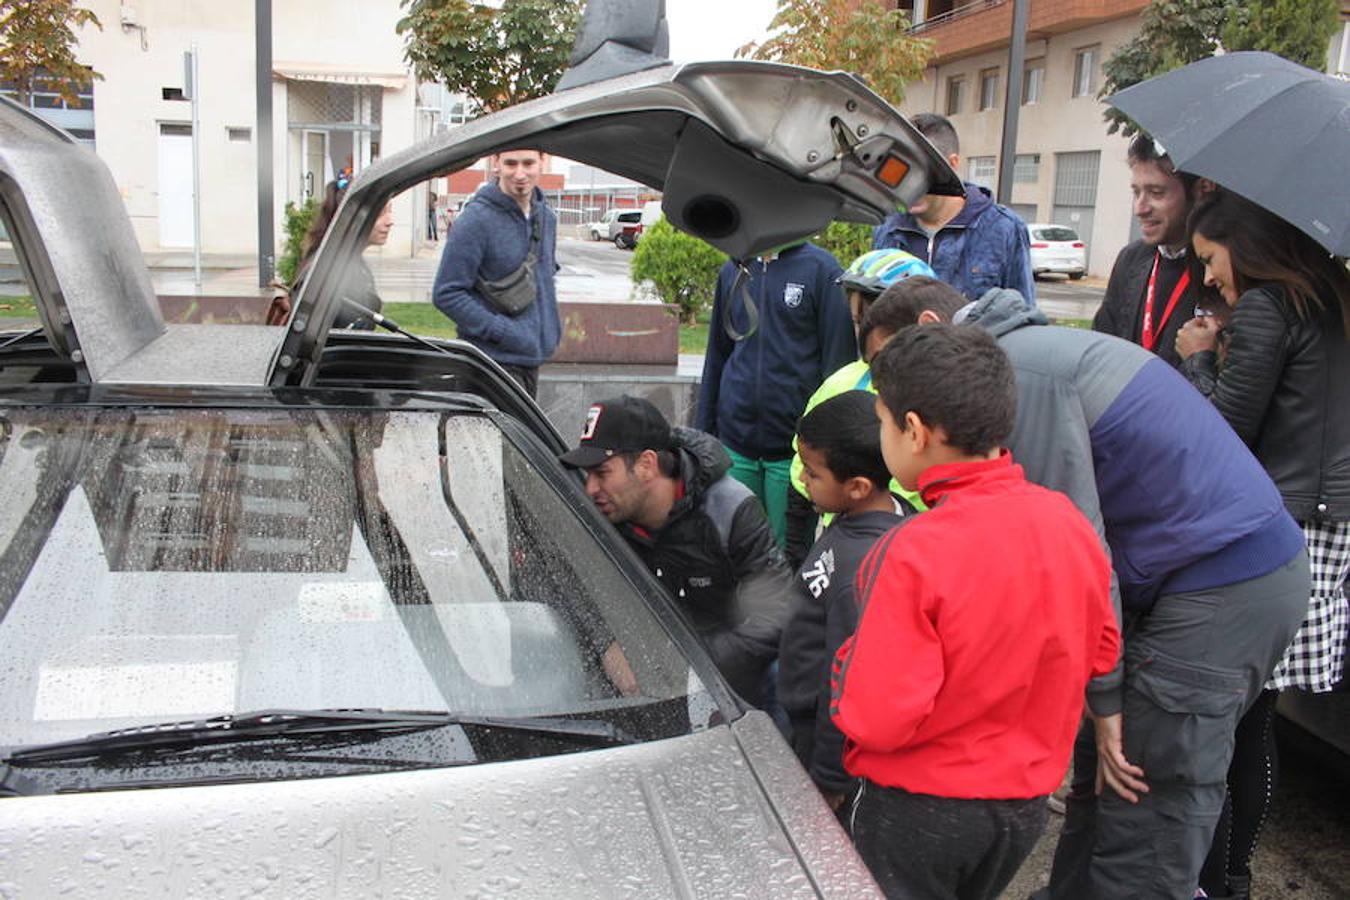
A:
316	613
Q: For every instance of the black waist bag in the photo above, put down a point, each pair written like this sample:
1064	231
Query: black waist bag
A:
514	293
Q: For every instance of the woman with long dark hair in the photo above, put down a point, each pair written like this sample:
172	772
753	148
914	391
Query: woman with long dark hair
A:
359	284
1283	382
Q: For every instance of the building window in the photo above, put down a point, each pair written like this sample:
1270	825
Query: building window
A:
1076	178
956	89
1085	72
988	89
1026	168
239	135
1033	81
981	170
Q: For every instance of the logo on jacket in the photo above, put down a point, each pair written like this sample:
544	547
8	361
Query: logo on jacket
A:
792	294
817	577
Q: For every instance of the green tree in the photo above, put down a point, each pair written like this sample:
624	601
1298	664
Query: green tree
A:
682	269
1177	32
297	222
1298	30
496	55
38	37
846	240
865	37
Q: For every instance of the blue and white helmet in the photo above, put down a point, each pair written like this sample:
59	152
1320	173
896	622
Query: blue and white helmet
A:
877	270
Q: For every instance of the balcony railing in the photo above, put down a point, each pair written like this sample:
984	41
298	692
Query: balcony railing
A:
952	15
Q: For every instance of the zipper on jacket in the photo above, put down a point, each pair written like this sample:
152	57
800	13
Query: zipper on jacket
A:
759	357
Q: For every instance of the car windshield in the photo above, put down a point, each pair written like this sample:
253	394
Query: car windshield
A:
1055	234
161	565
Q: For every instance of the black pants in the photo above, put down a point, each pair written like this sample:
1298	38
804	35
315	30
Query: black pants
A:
526	378
921	847
1252	776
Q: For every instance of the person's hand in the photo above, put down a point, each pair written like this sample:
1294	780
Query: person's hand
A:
1200	333
1113	769
620	673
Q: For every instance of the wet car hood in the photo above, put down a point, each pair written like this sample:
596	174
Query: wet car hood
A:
686	817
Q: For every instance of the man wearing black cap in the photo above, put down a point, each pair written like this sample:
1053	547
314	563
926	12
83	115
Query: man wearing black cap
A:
703	534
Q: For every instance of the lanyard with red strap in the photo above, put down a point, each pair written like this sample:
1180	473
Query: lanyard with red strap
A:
1147	336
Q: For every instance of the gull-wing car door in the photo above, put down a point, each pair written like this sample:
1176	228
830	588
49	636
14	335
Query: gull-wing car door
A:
749	156
74	242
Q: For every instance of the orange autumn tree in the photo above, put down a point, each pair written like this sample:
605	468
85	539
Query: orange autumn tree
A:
865	37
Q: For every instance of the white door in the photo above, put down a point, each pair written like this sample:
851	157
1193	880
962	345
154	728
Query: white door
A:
175	186
314	166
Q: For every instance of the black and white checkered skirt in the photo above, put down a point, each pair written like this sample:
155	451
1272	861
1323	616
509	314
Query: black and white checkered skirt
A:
1316	658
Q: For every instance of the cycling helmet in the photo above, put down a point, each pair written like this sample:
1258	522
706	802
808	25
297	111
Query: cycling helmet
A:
877	270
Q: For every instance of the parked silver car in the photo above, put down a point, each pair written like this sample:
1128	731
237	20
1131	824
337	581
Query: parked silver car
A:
314	612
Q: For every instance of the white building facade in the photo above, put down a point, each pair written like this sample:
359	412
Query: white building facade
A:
342	95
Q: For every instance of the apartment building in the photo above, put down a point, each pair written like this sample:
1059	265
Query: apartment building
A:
1068	170
341	95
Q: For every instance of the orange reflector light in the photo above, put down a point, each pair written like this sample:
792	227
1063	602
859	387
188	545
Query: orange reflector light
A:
892	170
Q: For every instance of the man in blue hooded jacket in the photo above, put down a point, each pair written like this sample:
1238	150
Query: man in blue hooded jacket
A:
491	239
972	243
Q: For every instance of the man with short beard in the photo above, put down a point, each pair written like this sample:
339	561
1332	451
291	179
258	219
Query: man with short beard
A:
1152	291
702	533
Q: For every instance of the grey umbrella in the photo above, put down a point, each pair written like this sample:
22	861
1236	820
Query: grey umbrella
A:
1262	126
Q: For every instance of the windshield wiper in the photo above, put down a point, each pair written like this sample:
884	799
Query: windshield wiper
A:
286	722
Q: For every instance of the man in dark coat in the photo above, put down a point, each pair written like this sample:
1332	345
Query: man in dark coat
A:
1153	291
701	533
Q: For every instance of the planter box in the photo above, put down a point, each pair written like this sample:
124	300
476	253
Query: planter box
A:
621	333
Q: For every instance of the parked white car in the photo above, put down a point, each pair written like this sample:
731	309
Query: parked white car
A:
611	224
1057	248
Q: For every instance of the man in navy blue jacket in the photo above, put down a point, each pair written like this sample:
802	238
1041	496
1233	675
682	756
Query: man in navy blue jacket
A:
490	240
755	387
971	242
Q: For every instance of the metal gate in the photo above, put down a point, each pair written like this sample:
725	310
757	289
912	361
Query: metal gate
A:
1076	192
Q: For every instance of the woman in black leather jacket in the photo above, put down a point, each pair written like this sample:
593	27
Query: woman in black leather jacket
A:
1283	383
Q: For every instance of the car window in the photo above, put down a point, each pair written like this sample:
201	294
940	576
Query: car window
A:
1054	234
170	564
635	216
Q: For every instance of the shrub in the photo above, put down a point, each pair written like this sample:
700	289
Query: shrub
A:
682	269
296	223
846	240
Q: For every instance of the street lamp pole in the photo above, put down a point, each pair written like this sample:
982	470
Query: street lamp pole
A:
262	14
1012	101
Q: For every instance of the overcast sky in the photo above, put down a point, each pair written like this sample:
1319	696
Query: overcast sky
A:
713	29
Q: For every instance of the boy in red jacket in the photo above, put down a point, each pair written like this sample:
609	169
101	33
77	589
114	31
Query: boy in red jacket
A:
981	622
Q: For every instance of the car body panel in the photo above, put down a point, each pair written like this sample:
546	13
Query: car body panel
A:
76	245
683	817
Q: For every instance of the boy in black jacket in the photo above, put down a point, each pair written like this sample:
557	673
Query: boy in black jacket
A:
844	473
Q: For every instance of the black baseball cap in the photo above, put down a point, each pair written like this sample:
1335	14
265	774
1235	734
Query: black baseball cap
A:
620	425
